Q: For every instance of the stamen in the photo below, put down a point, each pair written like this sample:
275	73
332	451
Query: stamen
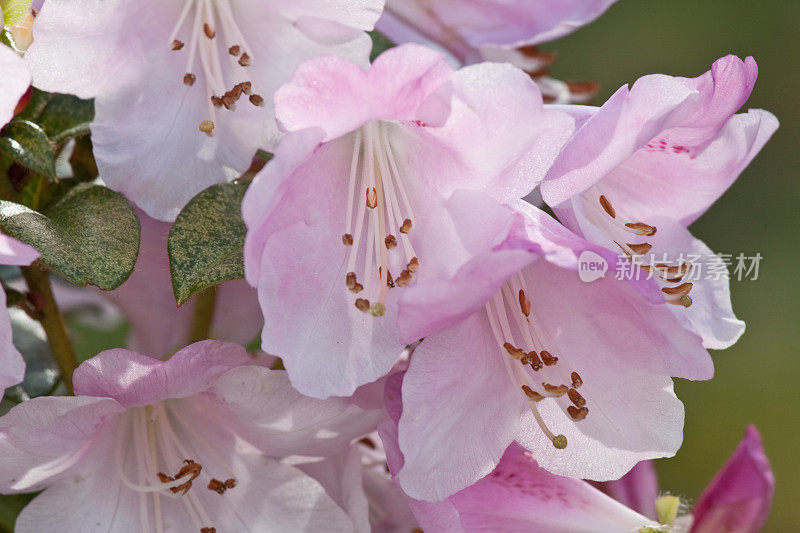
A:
576	398
210	33
347	239
524	303
577	413
548	359
532	394
372	198
640	249
555	390
513	351
177	45
576	380
256	100
244	60
362	304
188	79
390	241
607	207
406	227
235	50
640	228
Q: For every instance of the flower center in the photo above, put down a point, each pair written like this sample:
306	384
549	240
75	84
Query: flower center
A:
601	213
379	219
148	445
214	36
526	348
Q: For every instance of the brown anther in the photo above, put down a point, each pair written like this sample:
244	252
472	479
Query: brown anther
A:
217	486
234	50
372	198
163	478
676	271
624	251
236	91
207	127
246	87
556	390
389	282
532	358
524	303
210	33
347	239
177	45
217	101
577	413
362	304
547	358
188	79
390	241
413	265
680	290
230	483
403	279
607	207
244	60
640	249
257	100
576	380
228	102
352	283
208	530
576	398
513	351
406	227
190	468
640	228
582	88
532	394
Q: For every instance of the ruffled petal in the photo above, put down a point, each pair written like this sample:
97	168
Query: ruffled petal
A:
134	379
739	497
339	96
43	438
15	81
460	411
263	408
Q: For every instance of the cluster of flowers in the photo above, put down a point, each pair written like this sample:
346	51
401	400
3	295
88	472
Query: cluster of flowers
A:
394	266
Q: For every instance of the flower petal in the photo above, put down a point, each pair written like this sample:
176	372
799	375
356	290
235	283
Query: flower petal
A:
339	96
637	490
134	379
459	411
739	497
43	438
15	81
263	408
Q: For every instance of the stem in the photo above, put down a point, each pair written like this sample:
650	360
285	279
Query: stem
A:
53	323
203	315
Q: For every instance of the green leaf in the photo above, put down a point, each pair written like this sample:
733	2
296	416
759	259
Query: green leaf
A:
66	116
380	43
28	144
14	11
90	236
10	506
206	243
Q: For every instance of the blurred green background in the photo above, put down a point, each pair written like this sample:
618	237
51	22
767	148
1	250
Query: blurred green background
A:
757	379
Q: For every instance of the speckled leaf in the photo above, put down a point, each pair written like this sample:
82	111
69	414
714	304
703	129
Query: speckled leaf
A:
28	144
206	243
66	116
90	236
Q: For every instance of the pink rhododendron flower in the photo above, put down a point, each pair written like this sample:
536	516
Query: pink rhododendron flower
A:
516	496
158	326
12	366
737	500
13	83
648	163
353	203
183	90
472	31
188	444
517	347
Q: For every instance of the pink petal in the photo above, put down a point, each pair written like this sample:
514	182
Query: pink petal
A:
43	438
459	411
263	408
739	497
134	379
637	490
339	96
15	81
